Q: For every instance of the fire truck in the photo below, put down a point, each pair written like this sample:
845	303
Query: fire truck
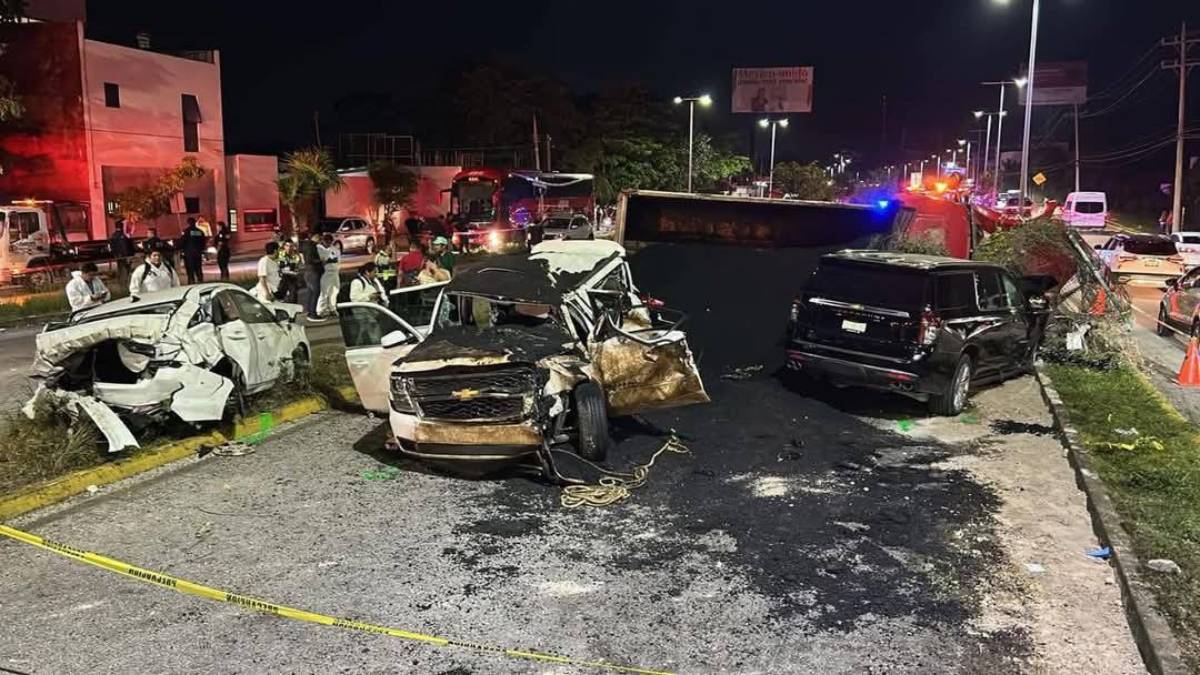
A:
491	206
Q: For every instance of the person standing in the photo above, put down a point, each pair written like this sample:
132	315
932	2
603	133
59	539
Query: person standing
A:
153	275
327	300
267	288
289	272
85	288
365	286
122	250
445	257
431	271
192	243
310	252
410	265
221	241
385	265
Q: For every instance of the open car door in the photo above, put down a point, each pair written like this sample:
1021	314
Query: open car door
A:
375	337
645	363
414	304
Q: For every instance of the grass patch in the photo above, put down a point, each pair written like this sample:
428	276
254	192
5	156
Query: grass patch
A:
50	446
1156	491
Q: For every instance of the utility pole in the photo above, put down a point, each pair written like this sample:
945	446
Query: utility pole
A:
1076	147
537	153
1182	64
548	140
1033	32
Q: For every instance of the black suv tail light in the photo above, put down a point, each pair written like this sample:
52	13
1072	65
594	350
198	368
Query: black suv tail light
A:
928	329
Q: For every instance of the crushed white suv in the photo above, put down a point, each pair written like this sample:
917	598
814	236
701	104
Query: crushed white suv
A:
519	359
192	352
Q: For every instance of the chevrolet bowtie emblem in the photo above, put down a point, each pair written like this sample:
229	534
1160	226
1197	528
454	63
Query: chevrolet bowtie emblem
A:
465	394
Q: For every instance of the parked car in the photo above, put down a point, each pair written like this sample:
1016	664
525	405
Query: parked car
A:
1180	305
191	352
926	327
518	356
567	226
350	234
1188	245
1141	259
1085	209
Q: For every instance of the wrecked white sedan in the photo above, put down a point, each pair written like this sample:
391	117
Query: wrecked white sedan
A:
511	359
192	352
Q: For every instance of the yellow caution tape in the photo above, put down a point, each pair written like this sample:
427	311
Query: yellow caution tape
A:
200	590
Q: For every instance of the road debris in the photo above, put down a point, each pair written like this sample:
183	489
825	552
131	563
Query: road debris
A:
1164	566
905	425
383	473
742	373
1035	568
1102	553
233	449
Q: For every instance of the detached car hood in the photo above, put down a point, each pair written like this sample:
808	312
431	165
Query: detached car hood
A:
466	345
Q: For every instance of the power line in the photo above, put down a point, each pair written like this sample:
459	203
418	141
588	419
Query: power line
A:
1126	95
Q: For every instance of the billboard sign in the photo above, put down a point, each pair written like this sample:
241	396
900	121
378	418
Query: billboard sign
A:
772	90
1062	83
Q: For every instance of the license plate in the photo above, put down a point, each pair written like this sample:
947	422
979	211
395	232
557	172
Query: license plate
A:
854	327
1151	263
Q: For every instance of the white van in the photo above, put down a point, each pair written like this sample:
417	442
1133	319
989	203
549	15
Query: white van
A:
1085	209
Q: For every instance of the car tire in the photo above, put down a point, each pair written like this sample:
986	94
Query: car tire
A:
951	401
370	246
591	419
1162	327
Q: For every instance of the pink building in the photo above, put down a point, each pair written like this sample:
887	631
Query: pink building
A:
102	118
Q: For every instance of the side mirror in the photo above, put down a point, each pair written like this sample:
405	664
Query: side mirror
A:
394	339
282	316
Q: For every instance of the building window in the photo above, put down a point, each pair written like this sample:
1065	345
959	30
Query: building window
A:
191	122
112	95
112	207
191	205
260	221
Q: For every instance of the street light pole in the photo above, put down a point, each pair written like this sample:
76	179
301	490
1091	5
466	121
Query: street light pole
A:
1029	103
704	100
1000	114
938	157
774	124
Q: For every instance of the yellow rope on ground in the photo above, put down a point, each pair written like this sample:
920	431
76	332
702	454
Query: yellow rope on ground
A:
614	487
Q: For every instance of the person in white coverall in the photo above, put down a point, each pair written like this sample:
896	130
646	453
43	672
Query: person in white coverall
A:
152	275
327	300
85	289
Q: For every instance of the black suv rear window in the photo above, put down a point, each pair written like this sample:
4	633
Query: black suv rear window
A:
956	291
870	285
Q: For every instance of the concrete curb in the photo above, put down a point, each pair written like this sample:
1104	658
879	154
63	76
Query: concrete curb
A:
1157	644
56	490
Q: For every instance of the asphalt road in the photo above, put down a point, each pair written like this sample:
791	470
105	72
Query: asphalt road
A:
825	531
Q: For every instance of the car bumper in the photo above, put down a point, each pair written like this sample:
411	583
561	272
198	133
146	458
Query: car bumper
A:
1151	279
475	448
906	378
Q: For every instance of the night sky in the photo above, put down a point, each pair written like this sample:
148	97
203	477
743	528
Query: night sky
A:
282	60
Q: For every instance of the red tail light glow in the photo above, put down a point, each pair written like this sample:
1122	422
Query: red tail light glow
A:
928	329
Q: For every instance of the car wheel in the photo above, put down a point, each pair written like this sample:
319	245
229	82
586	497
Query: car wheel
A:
300	362
370	246
592	421
951	401
235	405
1162	327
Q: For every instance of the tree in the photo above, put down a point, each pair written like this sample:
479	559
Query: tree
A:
806	181
307	174
153	199
394	185
11	107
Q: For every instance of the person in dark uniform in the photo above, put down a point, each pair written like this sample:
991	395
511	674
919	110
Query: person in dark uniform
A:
221	241
155	244
192	243
122	251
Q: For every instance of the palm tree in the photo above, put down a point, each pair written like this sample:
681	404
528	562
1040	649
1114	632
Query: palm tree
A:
307	173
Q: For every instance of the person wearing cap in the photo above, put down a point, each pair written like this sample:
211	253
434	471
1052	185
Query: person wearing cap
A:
445	256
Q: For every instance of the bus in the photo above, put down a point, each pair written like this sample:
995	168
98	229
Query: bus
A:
491	206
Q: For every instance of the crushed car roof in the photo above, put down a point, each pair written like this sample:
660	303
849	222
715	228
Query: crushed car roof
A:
165	296
552	269
909	260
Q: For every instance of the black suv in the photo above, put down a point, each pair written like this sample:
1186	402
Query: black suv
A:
923	326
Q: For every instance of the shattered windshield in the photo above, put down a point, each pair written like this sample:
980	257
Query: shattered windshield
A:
481	312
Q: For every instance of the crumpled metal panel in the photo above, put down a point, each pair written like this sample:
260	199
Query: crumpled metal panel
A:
55	346
118	435
637	378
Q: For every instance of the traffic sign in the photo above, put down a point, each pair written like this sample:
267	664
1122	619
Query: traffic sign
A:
1039	178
